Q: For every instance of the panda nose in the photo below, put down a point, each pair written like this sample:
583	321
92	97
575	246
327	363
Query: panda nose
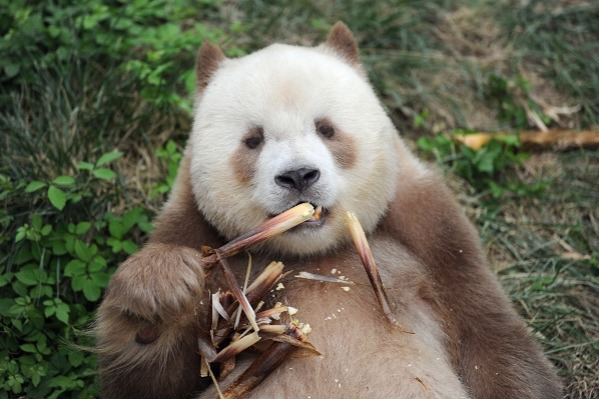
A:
298	179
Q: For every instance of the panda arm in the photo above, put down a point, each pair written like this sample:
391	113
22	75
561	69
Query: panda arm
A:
491	348
146	326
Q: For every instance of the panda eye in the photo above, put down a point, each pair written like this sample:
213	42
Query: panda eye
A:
325	129
253	142
254	138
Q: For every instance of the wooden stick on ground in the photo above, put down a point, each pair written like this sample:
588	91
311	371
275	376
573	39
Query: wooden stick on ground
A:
554	139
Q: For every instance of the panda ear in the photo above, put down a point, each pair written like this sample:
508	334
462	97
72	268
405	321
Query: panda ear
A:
208	60
343	43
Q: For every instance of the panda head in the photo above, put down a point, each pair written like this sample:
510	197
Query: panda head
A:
287	125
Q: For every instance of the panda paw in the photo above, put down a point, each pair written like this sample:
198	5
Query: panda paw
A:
159	284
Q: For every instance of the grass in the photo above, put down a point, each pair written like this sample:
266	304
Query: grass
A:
548	251
559	41
430	63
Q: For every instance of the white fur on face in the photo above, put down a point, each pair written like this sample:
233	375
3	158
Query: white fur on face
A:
283	90
303	149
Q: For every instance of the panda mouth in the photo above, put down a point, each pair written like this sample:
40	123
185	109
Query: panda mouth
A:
317	220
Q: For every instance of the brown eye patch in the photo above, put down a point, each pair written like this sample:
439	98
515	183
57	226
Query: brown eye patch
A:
342	145
244	161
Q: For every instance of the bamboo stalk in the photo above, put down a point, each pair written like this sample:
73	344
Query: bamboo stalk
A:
236	347
359	239
239	295
277	225
265	364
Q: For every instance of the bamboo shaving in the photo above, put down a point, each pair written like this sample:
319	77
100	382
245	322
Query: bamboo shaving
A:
320	277
215	382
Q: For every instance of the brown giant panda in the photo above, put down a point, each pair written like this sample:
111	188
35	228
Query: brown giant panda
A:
286	125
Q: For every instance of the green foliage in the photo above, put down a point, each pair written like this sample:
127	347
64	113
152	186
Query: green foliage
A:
153	41
484	169
170	155
79	79
59	262
57	265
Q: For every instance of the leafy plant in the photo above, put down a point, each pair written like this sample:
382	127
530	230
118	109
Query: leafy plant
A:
153	41
170	155
484	168
58	262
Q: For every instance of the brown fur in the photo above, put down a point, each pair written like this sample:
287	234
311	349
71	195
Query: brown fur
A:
243	160
209	58
341	40
157	289
468	341
342	146
180	222
495	355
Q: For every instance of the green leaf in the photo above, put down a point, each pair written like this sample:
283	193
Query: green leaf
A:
47	229
95	266
64	181
62	381
19	288
485	164
75	358
104	174
116	228
101	279
58	247
34	186
82	227
129	247
28	275
62	313
91	291
78	282
6	305
109	157
115	243
57	197
85	165
41	291
5	278
49	310
21	232
23	254
74	268
11	70
511	140
82	251
36	221
28	348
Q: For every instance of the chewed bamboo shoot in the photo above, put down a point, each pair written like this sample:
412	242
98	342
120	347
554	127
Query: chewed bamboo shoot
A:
363	248
277	225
